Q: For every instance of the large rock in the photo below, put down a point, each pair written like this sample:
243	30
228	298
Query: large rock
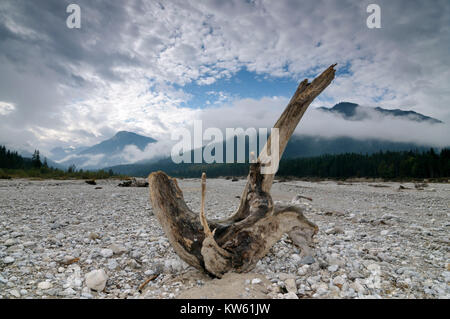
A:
96	279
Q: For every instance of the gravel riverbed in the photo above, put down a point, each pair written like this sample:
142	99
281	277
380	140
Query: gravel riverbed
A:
67	239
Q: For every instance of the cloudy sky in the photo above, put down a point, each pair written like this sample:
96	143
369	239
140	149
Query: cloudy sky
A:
151	67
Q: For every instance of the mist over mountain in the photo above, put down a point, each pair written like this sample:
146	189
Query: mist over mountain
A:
50	162
298	147
112	151
309	146
118	142
355	112
128	149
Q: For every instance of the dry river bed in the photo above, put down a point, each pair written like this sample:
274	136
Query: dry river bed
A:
67	239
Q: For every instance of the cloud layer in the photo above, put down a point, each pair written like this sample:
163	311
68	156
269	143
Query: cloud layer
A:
125	69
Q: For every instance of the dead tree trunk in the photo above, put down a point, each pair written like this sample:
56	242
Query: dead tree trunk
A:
237	243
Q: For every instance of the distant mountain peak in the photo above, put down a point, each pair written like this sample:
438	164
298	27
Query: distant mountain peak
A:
125	133
118	143
355	112
107	152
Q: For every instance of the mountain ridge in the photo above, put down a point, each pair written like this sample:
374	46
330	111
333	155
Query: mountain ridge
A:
356	112
109	153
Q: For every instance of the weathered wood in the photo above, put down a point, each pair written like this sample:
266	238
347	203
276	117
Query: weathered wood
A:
288	121
133	182
238	242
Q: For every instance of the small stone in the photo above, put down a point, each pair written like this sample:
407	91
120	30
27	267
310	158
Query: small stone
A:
303	270
256	281
446	275
313	280
68	259
15	293
87	295
69	292
358	287
284	276
60	236
10	242
291	286
334	231
373	267
174	265
23	292
290	295
354	274
96	279
333	268
117	249
136	254
16	234
336	261
296	258
338	281
55	225
29	244
321	291
112	264
106	253
44	285
307	260
94	236
8	260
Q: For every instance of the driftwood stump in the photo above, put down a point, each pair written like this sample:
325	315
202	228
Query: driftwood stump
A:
238	242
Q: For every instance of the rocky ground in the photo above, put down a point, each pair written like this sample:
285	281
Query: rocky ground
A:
67	239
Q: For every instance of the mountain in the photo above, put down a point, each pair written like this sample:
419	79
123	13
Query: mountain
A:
297	147
355	112
110	153
106	153
118	142
310	146
59	153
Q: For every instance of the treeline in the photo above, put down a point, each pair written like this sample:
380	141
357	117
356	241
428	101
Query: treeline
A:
13	165
387	165
10	159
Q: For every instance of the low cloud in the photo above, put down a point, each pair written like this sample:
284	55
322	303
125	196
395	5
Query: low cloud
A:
6	108
152	151
263	113
324	124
